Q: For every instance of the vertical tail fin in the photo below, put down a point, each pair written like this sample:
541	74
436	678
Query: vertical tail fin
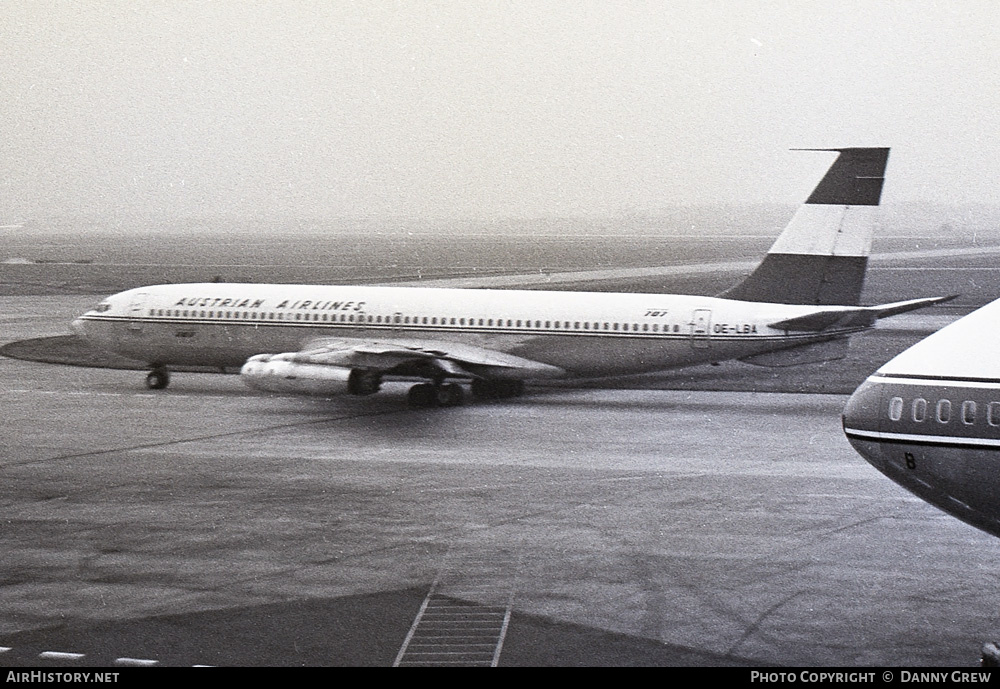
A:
821	256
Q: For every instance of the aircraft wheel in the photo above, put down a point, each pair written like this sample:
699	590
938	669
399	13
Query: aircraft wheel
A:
450	395
422	396
158	379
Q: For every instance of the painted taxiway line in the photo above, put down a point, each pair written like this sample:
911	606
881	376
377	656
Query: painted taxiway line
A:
542	277
137	662
74	657
60	655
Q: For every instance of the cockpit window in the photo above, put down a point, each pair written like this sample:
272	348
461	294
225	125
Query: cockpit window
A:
102	307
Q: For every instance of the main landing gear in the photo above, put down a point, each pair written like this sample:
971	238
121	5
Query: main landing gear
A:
438	394
425	395
158	378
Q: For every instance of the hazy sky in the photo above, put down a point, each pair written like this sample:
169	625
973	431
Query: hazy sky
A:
167	109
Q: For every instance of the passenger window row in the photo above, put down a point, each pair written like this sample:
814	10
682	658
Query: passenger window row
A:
417	320
920	410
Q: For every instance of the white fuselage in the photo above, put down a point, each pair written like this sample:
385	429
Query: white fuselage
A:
587	334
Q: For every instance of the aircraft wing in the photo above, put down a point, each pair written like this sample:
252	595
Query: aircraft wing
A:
418	357
862	316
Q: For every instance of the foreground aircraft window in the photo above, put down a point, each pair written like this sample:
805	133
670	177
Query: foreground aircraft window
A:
645	327
577	325
919	410
453	321
968	412
586	326
556	325
944	411
508	322
896	408
677	328
548	324
993	414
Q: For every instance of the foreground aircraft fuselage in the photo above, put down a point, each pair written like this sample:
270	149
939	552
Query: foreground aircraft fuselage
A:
798	306
929	419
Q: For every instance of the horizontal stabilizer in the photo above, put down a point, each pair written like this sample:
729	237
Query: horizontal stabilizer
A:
898	307
823	320
860	317
815	353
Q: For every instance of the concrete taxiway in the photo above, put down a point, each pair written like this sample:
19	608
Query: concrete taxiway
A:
209	525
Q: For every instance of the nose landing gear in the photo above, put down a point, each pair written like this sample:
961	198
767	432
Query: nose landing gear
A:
158	378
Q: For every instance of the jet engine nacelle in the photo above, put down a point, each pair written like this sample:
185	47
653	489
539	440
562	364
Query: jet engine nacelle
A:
281	373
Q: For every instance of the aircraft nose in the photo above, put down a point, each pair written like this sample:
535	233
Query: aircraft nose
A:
79	327
861	420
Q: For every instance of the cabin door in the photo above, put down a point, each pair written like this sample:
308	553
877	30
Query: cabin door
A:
701	323
135	310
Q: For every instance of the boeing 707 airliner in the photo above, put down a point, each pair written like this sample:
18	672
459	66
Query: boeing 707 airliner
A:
799	306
